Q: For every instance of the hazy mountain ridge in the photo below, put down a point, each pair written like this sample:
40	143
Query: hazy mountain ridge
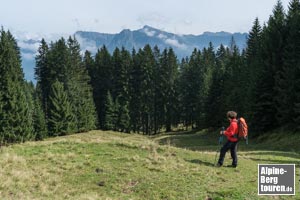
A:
183	45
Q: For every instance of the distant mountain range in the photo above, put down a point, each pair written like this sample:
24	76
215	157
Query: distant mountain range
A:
183	45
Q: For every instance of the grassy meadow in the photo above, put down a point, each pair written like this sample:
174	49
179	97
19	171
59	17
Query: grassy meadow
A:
111	165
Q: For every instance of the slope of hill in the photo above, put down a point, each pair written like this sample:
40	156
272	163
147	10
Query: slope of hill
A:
110	165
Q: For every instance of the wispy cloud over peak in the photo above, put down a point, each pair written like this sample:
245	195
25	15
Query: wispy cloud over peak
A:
149	32
162	36
175	43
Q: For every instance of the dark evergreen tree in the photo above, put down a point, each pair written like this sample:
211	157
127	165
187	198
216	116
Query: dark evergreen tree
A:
122	81
122	116
101	79
110	119
42	77
15	116
254	67
135	80
39	122
61	117
62	62
36	112
147	89
287	78
181	118
58	61
159	109
168	74
209	66
194	88
117	74
273	41
186	92
234	82
214	104
79	89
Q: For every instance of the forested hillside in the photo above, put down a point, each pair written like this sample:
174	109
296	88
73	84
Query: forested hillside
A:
149	90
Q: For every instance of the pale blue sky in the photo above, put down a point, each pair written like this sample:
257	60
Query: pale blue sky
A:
111	16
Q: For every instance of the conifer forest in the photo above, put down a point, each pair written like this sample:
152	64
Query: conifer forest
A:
151	90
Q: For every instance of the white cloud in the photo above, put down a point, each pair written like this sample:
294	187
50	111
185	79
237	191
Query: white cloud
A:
28	56
155	19
149	32
162	36
23	35
175	43
86	45
29	46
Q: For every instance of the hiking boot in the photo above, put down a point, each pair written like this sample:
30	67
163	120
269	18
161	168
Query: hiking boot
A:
218	165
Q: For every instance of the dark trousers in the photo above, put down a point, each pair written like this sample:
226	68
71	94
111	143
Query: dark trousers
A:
233	149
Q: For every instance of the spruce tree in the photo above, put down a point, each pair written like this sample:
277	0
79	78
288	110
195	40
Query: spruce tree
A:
135	79
186	93
122	114
36	112
79	89
159	109
61	117
196	88
214	104
234	82
15	106
168	74
117	74
254	68
40	126
42	75
109	122
147	89
122	81
101	80
273	42
287	79
180	88
209	66
62	62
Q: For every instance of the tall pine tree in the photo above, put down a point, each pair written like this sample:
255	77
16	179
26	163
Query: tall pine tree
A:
287	78
16	114
61	117
273	41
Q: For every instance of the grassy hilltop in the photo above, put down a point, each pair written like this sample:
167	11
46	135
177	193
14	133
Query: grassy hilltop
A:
111	165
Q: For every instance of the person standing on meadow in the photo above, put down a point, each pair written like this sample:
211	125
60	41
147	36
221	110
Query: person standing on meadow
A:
232	140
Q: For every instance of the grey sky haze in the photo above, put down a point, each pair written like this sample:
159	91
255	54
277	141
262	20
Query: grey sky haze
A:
111	16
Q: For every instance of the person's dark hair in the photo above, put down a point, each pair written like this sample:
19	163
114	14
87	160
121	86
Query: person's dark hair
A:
231	114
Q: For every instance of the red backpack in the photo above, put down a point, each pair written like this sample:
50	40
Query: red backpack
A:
242	129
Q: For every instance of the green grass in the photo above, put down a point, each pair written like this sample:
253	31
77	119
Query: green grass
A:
110	165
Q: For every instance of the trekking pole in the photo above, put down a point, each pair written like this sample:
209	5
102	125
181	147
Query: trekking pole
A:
221	138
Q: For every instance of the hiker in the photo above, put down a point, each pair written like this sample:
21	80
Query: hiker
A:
232	140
